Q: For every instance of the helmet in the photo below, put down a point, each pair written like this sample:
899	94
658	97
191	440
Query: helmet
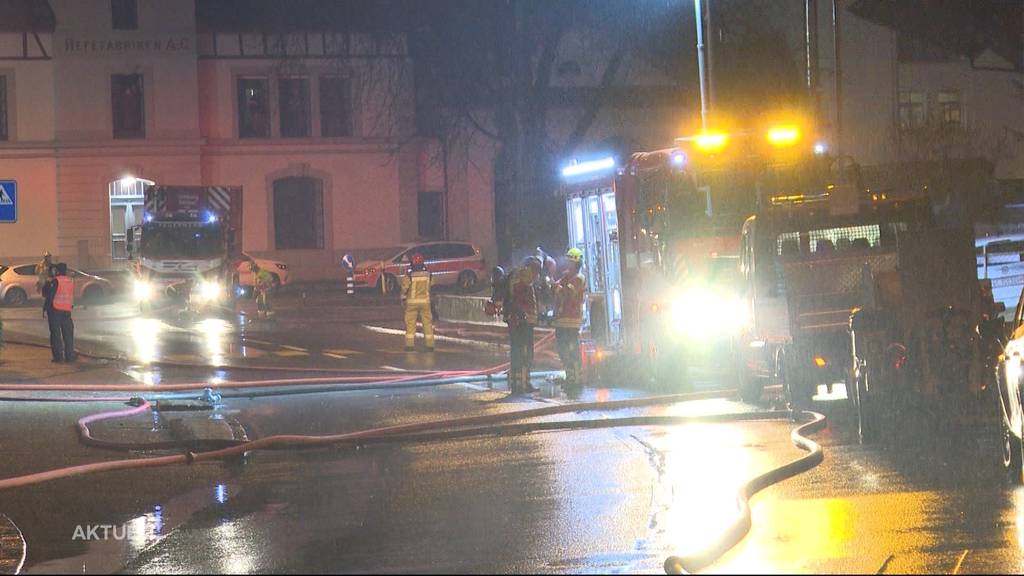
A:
532	261
46	254
416	259
575	254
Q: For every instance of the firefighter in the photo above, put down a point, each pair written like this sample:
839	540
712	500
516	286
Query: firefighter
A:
262	282
521	315
570	290
416	298
499	292
58	300
43	271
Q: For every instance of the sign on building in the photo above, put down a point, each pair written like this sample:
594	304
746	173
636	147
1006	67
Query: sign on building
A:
8	201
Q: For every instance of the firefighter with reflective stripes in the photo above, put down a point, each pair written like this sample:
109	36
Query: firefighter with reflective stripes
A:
58	300
521	314
569	292
416	297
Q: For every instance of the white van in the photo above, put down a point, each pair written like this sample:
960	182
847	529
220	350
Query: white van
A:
1001	260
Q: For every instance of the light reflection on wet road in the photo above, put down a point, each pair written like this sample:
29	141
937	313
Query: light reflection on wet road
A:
613	501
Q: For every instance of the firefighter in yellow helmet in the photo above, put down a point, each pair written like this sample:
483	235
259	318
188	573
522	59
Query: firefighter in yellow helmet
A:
416	297
569	292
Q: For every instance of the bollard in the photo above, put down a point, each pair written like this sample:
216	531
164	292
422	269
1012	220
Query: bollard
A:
350	285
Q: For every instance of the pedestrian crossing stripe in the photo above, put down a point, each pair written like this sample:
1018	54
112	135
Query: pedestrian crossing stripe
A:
5	198
341	352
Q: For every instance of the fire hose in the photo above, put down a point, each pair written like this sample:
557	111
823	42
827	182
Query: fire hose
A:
503	423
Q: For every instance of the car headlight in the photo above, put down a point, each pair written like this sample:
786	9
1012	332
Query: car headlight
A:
143	290
209	291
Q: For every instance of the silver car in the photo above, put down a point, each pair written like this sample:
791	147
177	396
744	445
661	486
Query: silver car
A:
18	285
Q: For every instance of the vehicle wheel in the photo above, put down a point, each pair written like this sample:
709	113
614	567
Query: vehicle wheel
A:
467	281
751	387
798	393
389	283
867	417
1012	457
92	295
15	297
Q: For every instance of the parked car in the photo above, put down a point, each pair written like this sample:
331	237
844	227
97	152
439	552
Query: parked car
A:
278	270
1010	386
18	285
451	263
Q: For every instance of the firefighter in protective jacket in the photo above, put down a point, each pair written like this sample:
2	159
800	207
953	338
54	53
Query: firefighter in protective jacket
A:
416	297
569	292
521	314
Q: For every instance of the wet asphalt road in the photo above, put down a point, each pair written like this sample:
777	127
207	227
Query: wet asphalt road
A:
616	500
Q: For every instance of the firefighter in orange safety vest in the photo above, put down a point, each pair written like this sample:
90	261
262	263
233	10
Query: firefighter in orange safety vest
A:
416	297
58	300
570	292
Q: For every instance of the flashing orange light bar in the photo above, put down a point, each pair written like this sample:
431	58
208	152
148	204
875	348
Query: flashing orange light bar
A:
782	136
711	142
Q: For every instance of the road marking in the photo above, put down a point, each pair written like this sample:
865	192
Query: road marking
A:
338	356
342	351
881	569
295	348
959	562
439	338
394	368
291	353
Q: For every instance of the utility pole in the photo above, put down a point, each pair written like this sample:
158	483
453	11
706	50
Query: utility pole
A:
811	47
838	80
699	13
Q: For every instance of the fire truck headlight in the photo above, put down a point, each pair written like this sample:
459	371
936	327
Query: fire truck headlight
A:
701	313
143	290
209	291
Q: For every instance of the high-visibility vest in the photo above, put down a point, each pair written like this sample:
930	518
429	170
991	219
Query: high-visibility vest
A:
418	291
64	298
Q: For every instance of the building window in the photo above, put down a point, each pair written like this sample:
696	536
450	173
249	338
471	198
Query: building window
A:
293	94
912	110
124	14
335	106
127	106
949	109
298	214
430	214
3	108
253	108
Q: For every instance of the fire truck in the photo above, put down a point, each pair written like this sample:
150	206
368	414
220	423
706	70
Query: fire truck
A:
187	246
661	259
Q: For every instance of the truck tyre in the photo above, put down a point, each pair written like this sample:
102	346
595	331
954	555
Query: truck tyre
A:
867	416
751	387
794	382
1013	463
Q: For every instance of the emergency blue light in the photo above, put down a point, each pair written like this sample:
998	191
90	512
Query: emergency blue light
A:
147	217
678	159
581	168
211	218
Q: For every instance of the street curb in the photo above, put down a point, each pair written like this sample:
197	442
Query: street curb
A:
12	547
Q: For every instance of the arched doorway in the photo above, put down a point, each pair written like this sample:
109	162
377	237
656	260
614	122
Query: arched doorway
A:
126	202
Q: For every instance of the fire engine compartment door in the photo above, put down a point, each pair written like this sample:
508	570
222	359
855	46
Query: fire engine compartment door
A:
593	228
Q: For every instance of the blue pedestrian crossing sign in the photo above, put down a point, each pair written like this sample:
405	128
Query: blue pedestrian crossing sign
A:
8	201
